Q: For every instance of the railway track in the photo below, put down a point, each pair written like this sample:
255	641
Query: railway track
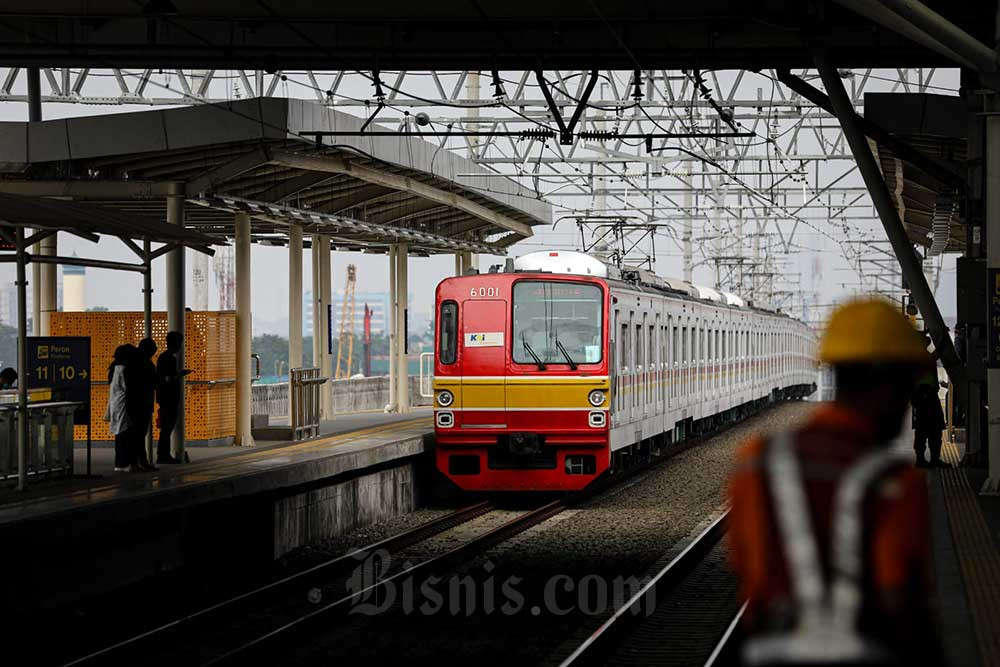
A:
303	580
677	617
331	601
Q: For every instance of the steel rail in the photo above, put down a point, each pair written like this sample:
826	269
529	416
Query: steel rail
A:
603	639
436	564
722	654
393	543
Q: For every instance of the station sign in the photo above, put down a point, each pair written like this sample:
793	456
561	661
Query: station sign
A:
62	365
993	323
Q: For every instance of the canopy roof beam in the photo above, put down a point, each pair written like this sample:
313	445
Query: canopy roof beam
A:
336	165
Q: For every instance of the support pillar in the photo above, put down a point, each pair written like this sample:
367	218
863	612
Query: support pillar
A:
402	366
901	246
147	323
175	306
326	392
294	297
35	115
22	362
317	306
992	484
391	406
47	286
244	333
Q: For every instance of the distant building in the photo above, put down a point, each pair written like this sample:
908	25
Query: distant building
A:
8	304
74	283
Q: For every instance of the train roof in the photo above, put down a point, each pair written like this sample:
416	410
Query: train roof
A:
572	262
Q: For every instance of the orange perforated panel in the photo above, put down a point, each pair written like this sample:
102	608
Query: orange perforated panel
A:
209	351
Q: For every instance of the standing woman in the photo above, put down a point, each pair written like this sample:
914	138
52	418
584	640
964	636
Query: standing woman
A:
117	414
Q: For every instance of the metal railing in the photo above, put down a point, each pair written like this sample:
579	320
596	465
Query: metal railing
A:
304	414
270	399
50	439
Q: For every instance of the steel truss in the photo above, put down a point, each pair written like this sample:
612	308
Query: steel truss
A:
788	188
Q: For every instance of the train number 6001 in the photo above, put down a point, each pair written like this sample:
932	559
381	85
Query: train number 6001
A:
484	291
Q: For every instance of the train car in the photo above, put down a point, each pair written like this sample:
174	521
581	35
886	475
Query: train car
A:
562	367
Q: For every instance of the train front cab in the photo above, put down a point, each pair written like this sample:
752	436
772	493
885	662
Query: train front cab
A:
521	381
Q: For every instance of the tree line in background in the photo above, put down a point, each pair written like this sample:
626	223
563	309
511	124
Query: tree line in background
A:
273	351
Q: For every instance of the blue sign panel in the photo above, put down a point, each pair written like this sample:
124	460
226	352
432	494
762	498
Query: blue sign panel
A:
62	365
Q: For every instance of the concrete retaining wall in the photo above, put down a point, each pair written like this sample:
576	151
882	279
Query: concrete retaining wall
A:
219	534
361	394
337	509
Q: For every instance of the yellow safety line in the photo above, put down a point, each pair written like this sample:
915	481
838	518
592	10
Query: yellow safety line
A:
237	459
977	557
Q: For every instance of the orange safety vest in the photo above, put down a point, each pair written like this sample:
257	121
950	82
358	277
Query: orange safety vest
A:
829	535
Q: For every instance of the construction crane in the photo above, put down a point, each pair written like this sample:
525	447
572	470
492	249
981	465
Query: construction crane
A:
346	325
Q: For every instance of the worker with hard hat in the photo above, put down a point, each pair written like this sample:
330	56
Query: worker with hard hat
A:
829	526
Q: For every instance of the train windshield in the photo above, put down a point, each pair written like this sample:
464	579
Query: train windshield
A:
557	323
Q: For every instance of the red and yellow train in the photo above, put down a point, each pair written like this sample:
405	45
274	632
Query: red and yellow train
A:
550	374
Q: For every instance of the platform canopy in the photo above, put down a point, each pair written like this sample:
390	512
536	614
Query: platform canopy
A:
928	204
45	214
256	156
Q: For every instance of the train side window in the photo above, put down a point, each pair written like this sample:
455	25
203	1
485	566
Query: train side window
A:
639	356
448	336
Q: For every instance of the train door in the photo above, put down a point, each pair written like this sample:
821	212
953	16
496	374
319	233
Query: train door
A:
484	363
625	372
639	375
614	364
652	377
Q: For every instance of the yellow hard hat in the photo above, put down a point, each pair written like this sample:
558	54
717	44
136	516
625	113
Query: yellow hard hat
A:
871	331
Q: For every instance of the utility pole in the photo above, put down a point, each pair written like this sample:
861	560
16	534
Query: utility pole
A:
688	216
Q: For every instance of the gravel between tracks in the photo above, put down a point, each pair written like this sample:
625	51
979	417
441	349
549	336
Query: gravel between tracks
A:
619	533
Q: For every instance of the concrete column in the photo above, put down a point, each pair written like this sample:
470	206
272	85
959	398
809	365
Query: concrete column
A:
244	333
458	264
992	485
391	406
22	362
147	325
35	115
317	332
326	393
36	294
402	369
48	285
294	297
175	304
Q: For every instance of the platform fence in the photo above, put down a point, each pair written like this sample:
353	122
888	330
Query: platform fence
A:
305	384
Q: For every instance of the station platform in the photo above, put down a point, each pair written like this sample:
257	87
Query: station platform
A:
965	533
238	505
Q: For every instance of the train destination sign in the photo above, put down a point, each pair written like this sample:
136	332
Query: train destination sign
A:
62	365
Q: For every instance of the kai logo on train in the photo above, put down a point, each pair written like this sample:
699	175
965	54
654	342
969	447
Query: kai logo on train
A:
489	339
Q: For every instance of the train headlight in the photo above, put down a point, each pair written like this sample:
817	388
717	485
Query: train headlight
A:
596	398
445	398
